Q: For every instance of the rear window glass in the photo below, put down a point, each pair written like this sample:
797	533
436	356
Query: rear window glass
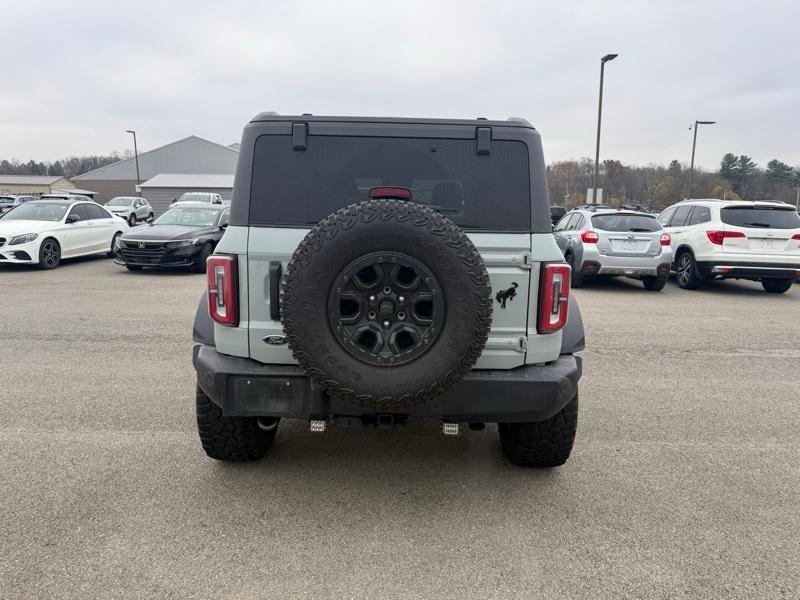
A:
765	218
625	223
299	188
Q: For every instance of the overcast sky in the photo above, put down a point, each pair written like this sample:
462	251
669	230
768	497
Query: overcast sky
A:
77	74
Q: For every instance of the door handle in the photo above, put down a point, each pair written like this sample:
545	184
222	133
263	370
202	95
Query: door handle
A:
274	279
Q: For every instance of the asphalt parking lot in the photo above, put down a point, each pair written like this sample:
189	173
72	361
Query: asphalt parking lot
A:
683	484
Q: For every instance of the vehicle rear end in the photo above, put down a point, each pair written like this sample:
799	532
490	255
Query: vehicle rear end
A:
485	177
753	240
626	243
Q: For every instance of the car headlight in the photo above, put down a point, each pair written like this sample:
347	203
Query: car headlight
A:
23	239
181	244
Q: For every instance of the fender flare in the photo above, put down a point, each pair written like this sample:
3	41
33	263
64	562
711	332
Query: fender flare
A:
203	329
573	338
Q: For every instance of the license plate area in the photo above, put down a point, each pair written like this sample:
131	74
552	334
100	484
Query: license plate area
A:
629	246
267	395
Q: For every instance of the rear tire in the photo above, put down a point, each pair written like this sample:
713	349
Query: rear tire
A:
546	444
777	286
686	269
232	439
576	279
654	283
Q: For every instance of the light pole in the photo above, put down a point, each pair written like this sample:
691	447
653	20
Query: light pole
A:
603	61
136	154
694	145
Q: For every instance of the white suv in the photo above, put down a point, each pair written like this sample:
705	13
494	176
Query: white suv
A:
712	238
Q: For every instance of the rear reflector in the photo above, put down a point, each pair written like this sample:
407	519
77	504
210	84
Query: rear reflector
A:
554	297
223	303
666	239
395	193
717	237
590	237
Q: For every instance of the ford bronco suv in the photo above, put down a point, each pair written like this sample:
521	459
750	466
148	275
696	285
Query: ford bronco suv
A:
380	270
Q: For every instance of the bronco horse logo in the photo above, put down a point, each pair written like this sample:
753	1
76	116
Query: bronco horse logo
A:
508	294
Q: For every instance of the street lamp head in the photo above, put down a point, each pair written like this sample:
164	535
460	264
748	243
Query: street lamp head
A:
705	122
608	57
129	131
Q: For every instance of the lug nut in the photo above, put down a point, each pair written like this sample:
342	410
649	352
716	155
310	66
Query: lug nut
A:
401	298
372	298
386	323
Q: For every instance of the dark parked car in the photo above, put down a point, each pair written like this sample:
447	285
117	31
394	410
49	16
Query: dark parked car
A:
184	236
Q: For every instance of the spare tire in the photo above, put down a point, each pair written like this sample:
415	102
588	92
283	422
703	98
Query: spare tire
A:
386	304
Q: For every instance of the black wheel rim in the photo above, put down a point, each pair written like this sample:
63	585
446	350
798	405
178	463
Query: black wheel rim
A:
386	308
684	269
50	253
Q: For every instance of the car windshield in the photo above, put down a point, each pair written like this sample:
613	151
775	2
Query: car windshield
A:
6	199
36	211
195	197
193	217
776	217
120	202
625	222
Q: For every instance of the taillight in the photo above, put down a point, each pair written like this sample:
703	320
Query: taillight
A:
554	297
590	237
222	295
796	236
666	239
717	237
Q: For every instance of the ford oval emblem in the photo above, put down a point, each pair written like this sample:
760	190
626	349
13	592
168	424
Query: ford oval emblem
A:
275	340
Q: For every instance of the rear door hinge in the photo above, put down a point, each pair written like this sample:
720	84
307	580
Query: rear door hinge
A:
527	260
522	344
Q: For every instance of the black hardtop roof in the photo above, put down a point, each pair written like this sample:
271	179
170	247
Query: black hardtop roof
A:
479	122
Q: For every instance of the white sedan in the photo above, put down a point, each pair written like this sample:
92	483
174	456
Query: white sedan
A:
45	231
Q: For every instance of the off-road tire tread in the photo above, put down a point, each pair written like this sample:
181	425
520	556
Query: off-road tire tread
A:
231	439
544	444
362	215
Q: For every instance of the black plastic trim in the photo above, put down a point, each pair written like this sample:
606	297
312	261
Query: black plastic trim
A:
525	394
275	272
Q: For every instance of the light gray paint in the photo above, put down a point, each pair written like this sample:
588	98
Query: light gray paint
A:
189	155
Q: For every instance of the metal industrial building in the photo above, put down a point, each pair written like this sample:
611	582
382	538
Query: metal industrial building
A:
162	189
35	184
189	155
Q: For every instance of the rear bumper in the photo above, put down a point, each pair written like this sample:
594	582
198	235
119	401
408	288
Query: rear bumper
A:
244	387
749	270
596	263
